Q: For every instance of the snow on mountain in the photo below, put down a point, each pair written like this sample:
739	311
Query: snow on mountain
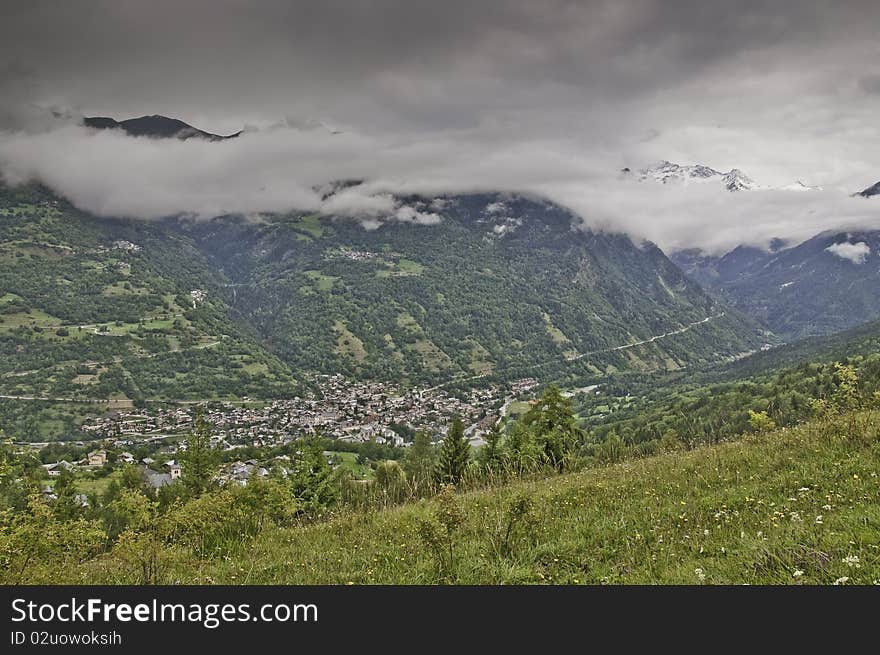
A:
668	172
736	180
800	186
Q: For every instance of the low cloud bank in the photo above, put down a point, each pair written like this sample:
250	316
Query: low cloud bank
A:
286	168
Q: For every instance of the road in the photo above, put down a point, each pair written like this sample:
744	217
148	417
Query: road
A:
625	346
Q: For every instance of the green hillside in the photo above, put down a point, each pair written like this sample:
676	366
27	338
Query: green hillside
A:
99	314
96	309
796	506
501	286
715	404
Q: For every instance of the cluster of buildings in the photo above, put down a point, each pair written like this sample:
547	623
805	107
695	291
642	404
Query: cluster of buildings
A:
93	460
357	412
341	409
354	255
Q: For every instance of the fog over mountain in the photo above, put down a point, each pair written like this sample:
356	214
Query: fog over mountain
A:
550	97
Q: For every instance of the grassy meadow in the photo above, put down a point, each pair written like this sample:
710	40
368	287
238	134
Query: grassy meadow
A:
793	506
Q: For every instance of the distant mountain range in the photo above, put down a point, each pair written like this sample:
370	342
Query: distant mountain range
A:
156	126
828	283
667	172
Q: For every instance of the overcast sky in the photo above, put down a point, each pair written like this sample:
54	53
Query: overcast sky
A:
545	96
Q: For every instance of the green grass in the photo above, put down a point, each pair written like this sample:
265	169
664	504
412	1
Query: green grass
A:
518	408
796	506
347	344
349	461
35	317
322	282
401	268
555	333
311	225
87	484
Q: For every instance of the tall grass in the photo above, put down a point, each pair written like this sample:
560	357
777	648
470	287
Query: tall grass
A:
792	506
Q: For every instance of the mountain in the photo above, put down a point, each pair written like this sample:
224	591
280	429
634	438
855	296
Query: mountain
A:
157	127
828	283
498	285
667	172
870	191
118	311
501	286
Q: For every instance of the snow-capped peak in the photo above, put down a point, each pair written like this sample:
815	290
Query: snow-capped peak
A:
667	171
736	180
733	180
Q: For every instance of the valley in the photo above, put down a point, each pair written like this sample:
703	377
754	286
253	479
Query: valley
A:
127	314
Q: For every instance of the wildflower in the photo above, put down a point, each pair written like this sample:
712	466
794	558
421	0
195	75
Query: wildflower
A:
794	516
827	508
706	532
701	576
852	561
841	581
819	520
798	573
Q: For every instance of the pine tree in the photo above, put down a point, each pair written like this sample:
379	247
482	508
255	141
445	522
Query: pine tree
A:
312	480
454	455
66	506
200	459
554	426
490	455
419	461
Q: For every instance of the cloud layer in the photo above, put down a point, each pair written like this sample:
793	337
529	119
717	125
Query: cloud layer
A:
549	97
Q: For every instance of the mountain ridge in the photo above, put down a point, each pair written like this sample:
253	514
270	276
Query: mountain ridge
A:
154	126
822	285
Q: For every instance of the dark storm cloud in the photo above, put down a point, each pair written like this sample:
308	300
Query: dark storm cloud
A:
551	96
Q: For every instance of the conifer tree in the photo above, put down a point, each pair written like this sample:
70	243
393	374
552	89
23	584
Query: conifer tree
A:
419	461
490	455
554	426
200	459
454	455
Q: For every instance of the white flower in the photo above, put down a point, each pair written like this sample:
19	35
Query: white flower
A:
795	516
852	561
841	581
827	508
798	573
700	575
706	532
819	520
